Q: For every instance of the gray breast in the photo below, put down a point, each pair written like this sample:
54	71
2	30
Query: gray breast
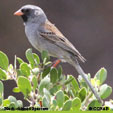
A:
32	35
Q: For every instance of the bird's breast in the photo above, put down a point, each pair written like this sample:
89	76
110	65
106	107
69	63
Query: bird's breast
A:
33	36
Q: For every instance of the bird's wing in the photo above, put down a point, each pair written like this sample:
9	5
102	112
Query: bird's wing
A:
54	35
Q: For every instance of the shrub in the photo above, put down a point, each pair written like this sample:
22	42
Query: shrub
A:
47	87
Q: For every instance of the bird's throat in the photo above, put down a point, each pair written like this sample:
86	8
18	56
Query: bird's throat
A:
25	18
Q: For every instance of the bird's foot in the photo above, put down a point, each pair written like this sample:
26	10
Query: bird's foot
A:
56	63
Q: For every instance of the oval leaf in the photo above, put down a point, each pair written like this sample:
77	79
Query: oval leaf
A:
47	94
4	62
3	75
69	80
45	72
19	60
30	57
82	94
60	98
13	99
24	85
105	91
45	103
67	105
20	103
25	69
76	104
74	83
101	75
16	90
45	83
94	103
53	75
44	55
36	58
6	103
59	71
66	97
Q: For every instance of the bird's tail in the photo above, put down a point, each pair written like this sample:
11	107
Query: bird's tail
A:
82	73
81	58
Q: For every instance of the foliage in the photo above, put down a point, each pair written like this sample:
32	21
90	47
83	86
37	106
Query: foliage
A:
45	86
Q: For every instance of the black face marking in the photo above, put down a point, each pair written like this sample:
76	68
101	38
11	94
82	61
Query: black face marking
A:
25	18
26	11
26	14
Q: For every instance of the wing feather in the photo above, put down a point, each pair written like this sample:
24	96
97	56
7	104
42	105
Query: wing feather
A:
54	35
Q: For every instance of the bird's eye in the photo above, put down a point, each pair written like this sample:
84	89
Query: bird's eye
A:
25	10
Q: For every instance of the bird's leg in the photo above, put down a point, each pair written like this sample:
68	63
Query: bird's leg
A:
56	63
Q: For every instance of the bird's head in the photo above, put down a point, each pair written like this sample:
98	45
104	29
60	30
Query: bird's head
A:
31	14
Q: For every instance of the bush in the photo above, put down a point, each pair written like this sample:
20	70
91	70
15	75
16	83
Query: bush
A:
47	87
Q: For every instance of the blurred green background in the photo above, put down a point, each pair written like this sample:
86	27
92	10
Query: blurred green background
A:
88	24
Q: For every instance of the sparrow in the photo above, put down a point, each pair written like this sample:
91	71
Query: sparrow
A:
43	35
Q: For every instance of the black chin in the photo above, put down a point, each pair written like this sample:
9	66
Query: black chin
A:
25	18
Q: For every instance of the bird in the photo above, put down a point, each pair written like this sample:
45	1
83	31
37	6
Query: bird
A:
43	35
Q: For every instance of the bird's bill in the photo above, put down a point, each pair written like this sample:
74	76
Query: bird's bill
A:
18	13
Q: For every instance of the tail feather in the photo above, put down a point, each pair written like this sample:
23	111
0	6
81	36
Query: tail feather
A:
81	58
82	73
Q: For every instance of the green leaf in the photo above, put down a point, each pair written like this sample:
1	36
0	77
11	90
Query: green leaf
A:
44	55
101	75
67	105
94	103
66	97
16	90
1	101
25	69
4	62
105	91
54	89
6	103
59	71
36	58
74	83
76	104
24	85
20	103
45	103
69	80
47	94
35	82
12	105
30	57
35	71
54	102
60	98
45	72
82	94
53	75
1	92
13	99
3	75
1	88
82	82
75	93
45	83
19	60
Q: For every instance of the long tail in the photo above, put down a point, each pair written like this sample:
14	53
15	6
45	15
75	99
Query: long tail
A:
82	73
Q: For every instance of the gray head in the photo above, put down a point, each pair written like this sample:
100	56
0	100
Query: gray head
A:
31	14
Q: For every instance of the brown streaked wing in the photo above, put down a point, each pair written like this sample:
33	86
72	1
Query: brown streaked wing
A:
59	39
